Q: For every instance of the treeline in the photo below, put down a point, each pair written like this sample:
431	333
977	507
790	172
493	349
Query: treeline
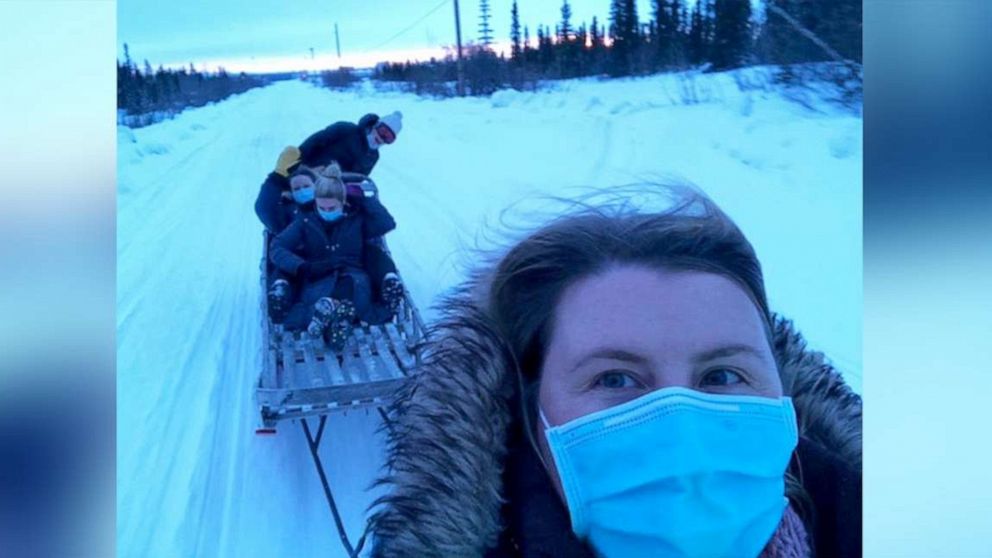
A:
146	96
717	34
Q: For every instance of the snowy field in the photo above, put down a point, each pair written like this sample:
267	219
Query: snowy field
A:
194	480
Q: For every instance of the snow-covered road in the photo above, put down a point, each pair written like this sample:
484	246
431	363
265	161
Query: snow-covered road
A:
194	480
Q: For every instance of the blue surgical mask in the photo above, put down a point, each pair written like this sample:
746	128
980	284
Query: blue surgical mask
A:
677	472
303	195
330	216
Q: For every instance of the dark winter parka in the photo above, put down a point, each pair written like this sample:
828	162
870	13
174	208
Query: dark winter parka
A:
339	244
274	207
462	483
343	142
309	238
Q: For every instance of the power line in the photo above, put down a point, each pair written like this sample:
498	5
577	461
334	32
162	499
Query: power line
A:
411	26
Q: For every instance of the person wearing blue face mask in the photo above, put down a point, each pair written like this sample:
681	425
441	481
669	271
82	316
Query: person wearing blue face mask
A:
616	386
324	249
286	190
289	185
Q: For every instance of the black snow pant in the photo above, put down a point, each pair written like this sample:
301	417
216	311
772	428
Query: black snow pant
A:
377	263
351	285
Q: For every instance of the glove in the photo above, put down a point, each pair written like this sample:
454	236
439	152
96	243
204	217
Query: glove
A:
289	159
303	270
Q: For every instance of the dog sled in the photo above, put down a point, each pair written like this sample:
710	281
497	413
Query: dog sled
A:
303	379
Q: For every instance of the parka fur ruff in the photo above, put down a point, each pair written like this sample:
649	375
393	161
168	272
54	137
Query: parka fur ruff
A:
447	441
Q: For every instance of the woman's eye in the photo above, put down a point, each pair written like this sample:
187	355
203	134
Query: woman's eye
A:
615	379
722	377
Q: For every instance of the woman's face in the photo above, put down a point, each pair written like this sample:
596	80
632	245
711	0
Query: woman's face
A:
624	333
328	204
300	182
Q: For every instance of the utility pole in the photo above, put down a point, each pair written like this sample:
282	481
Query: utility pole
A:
458	38
337	40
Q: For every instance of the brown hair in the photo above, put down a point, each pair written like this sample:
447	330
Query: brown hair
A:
306	171
694	234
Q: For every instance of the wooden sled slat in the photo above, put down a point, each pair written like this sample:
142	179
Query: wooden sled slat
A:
373	363
385	356
288	364
353	364
399	347
316	374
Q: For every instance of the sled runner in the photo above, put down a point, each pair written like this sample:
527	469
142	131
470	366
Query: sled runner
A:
302	377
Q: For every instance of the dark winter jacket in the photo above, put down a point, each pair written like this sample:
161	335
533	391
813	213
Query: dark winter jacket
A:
341	243
343	142
274	206
452	459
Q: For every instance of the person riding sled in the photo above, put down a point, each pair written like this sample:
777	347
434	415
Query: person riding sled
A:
324	250
289	190
355	147
616	386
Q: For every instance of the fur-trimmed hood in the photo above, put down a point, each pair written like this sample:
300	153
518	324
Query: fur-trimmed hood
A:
448	436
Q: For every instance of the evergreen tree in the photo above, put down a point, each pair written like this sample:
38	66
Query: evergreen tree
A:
566	47
528	50
630	15
664	32
582	36
595	36
539	54
485	31
122	82
545	49
624	32
619	47
731	33
128	92
515	47
616	19
677	16
565	28
696	43
581	50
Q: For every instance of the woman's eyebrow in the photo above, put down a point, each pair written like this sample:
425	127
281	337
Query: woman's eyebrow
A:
728	350
612	354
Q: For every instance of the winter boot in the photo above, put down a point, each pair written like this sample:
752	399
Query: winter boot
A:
340	325
392	292
278	300
323	314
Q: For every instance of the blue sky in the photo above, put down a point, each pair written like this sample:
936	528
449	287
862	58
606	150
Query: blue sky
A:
275	34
